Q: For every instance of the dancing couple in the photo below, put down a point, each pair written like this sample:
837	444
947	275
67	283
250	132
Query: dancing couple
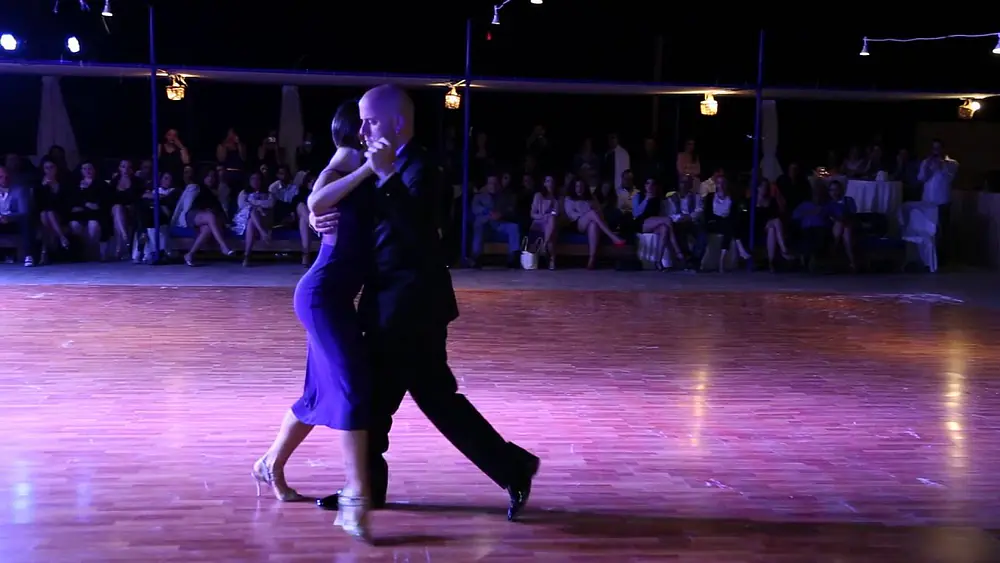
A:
377	213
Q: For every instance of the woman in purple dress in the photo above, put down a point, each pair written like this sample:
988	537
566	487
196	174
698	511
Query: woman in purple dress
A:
337	384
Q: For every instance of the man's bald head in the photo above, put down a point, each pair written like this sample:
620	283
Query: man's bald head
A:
386	112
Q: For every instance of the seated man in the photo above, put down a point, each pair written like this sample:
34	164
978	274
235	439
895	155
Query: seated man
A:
814	221
15	217
494	210
687	214
842	209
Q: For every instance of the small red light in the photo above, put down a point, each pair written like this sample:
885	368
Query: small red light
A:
489	36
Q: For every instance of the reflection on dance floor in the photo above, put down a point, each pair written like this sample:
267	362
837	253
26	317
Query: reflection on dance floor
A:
703	427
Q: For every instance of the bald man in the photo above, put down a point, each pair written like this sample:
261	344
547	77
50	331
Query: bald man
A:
408	302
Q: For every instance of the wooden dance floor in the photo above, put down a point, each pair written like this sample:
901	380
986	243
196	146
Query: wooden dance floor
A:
704	427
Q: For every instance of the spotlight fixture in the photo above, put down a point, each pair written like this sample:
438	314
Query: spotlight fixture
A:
996	50
8	42
496	15
73	44
55	7
84	7
864	47
537	2
106	12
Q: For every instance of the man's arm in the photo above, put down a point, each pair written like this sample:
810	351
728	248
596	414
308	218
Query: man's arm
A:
413	191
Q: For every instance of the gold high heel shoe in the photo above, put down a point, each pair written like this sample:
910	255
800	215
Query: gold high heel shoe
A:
264	475
352	517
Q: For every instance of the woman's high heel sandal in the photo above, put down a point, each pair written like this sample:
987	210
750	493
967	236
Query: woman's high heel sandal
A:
352	517
264	475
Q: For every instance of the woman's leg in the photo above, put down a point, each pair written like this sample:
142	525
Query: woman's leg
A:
352	515
248	240
203	233
119	216
549	236
209	219
94	237
302	214
596	219
779	235
270	469
772	243
593	240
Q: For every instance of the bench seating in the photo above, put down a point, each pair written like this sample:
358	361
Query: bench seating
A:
569	243
282	240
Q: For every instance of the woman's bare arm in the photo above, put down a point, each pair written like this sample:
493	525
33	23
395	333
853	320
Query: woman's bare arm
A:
331	187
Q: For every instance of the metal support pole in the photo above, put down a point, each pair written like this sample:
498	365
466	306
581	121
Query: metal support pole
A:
755	170
466	133
155	137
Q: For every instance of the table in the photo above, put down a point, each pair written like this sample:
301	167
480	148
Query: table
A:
873	196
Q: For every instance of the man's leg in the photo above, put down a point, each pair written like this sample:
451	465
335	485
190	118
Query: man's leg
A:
435	391
513	234
388	391
26	229
478	230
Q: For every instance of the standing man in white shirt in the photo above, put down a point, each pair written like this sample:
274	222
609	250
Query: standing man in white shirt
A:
937	172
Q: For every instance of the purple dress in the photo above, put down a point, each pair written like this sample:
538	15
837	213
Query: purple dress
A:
338	384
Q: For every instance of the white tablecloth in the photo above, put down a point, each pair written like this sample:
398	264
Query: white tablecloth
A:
918	223
875	196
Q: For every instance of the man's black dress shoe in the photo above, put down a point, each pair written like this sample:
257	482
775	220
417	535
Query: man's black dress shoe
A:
521	490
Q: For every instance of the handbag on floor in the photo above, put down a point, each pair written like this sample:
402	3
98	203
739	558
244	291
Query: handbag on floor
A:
529	253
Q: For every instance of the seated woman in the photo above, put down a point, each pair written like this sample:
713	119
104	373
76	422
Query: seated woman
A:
581	209
724	218
255	206
126	190
207	217
53	201
545	217
769	219
89	213
146	232
648	211
842	209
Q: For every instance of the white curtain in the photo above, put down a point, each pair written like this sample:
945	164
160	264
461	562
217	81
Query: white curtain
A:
769	140
54	127
290	128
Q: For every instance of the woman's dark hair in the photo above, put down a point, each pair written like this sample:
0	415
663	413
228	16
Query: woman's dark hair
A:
571	192
346	125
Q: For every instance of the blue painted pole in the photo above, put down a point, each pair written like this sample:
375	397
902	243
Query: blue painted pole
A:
755	170
466	133
155	123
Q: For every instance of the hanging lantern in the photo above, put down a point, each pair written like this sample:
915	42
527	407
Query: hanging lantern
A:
452	100
176	88
709	106
968	109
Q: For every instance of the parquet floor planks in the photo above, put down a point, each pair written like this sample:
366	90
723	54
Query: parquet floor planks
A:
700	427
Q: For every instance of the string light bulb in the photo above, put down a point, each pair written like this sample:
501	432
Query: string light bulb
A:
452	100
176	88
709	106
969	108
